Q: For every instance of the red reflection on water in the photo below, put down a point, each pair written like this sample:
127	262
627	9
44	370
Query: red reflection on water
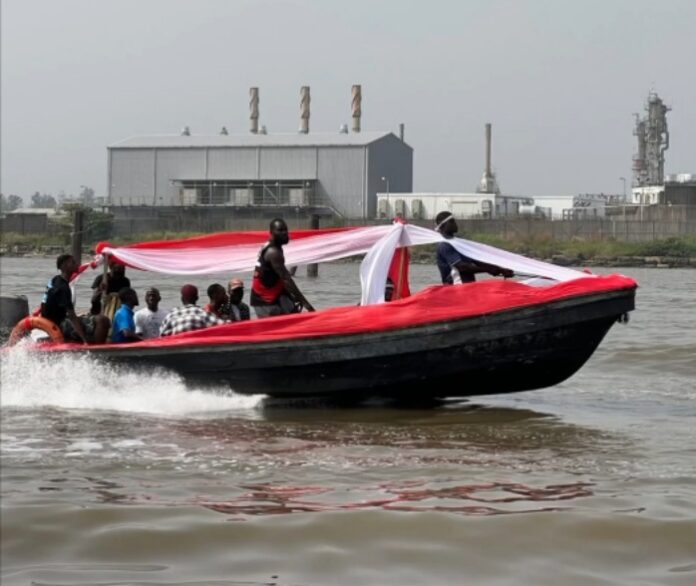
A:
265	499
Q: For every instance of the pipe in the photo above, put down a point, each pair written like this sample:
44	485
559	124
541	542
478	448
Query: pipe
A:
304	109
254	110
401	131
356	103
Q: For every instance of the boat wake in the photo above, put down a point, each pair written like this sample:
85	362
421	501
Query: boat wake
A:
31	380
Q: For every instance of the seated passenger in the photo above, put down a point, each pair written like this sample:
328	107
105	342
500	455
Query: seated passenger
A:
237	309
123	329
455	267
218	301
189	316
58	307
148	320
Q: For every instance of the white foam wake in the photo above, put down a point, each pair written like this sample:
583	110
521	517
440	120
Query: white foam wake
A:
80	382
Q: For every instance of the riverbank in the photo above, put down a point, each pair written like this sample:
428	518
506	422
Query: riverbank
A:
668	253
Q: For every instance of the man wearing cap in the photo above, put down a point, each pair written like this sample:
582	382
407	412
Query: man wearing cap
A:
148	320
189	316
273	290
236	308
455	267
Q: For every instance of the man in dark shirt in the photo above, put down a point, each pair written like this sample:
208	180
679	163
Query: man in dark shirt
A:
455	267
58	307
115	281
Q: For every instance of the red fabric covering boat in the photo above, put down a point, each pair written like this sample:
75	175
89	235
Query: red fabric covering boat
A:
487	337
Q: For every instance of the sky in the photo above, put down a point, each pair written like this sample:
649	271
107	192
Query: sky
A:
558	79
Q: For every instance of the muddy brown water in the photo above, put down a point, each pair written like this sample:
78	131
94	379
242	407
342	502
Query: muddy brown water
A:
133	478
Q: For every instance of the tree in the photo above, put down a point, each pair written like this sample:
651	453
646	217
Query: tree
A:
10	203
87	196
43	201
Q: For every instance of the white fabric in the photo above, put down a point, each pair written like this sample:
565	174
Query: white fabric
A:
375	266
377	242
242	257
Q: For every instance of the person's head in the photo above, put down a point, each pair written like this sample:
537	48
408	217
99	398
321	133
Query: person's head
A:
217	294
152	298
189	294
389	290
128	297
117	269
66	264
445	224
279	232
236	291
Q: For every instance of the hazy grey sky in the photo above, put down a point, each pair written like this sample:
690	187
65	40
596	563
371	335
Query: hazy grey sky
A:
559	80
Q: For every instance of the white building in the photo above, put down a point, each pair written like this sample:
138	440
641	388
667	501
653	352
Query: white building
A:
425	206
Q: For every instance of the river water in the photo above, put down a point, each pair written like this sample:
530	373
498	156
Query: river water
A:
133	478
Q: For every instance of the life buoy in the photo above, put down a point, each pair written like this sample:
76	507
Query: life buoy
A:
25	326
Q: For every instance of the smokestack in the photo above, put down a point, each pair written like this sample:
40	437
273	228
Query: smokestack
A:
401	131
254	110
488	149
304	109
356	103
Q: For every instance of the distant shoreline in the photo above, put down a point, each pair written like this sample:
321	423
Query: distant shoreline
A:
679	252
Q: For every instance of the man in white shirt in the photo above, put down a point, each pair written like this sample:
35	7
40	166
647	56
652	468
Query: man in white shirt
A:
148	320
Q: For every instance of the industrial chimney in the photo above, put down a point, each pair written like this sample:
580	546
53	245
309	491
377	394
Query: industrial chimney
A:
488	182
356	104
304	109
488	149
254	110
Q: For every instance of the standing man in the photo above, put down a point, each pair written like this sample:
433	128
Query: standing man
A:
455	267
273	291
58	306
238	310
123	329
148	320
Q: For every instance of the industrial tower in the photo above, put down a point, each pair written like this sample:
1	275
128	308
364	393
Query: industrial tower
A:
488	183
653	141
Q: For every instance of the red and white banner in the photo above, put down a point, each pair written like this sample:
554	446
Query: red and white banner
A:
236	252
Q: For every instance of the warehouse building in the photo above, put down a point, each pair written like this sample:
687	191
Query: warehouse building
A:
260	173
340	173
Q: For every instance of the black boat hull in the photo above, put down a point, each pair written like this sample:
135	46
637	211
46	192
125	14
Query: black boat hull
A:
514	350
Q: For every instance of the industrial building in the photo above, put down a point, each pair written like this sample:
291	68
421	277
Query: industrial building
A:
335	173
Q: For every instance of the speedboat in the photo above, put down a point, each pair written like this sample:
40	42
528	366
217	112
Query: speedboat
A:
491	336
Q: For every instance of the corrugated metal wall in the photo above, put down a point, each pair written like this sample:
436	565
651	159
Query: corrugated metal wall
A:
237	163
132	176
391	158
288	163
342	179
174	164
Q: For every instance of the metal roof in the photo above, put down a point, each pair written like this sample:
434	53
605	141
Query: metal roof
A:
250	140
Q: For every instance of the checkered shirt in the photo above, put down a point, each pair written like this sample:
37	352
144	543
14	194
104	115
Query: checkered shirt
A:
187	319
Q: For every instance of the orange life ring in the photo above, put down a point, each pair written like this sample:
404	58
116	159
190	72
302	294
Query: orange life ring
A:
26	325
